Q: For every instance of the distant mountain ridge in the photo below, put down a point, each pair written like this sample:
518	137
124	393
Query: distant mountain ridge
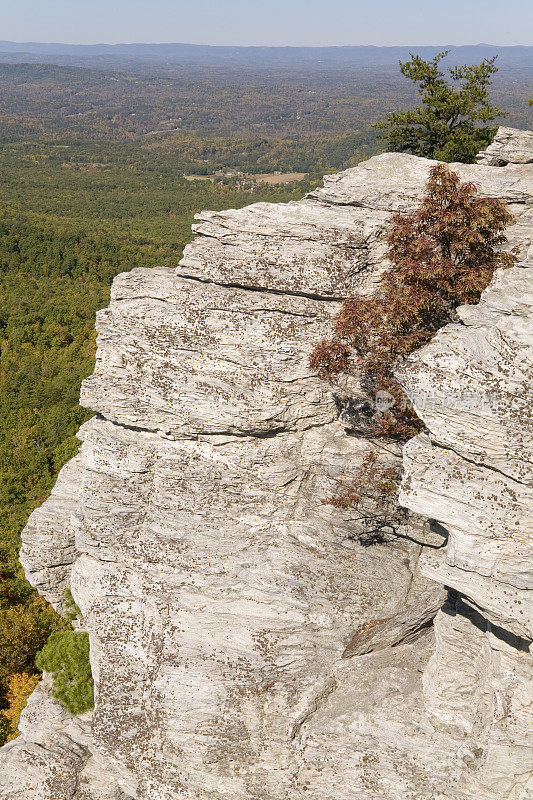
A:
360	56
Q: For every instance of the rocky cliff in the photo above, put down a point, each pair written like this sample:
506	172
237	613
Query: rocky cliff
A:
220	594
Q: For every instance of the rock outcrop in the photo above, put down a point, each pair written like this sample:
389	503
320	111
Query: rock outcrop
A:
509	147
219	592
472	386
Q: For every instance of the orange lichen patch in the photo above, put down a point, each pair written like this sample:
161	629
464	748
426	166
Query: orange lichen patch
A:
362	634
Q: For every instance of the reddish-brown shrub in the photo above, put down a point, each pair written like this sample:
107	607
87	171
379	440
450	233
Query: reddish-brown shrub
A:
372	492
443	255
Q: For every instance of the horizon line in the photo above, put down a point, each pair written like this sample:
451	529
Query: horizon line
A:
256	46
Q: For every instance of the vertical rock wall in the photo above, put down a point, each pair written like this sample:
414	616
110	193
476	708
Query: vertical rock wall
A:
218	591
472	385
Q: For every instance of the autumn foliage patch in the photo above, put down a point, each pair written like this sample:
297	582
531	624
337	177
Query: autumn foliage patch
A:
21	685
443	255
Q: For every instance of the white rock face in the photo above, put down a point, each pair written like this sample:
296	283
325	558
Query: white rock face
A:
50	759
509	147
472	386
219	591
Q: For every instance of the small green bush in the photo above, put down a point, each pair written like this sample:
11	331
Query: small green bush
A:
72	611
66	656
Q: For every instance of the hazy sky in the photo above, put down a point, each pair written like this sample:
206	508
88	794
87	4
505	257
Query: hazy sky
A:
270	22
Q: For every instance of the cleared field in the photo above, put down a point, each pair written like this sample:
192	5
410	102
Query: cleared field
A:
285	177
199	178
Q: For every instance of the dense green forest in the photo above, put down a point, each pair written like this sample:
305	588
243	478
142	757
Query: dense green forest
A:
95	179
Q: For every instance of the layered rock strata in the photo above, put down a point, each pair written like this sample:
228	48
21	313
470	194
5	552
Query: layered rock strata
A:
472	386
218	590
509	147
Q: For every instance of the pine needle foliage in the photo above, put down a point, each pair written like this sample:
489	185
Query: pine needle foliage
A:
451	124
66	656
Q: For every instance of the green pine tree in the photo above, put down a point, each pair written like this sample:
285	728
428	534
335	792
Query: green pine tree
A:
66	656
451	123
